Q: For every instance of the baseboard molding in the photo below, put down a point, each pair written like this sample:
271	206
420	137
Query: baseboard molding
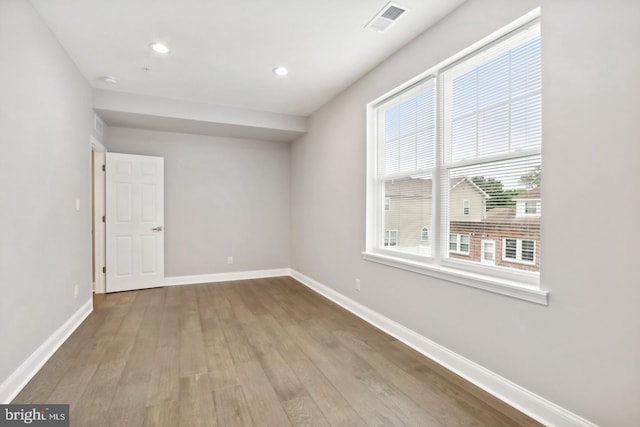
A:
544	411
10	387
224	277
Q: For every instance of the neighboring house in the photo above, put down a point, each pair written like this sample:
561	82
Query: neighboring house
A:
507	236
408	214
467	201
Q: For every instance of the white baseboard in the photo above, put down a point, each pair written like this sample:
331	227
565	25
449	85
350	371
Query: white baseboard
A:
542	410
223	277
10	387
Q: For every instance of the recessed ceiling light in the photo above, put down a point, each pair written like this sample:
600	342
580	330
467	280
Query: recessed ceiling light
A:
159	47
109	80
280	71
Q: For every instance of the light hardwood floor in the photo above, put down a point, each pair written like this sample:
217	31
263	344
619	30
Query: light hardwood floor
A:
266	352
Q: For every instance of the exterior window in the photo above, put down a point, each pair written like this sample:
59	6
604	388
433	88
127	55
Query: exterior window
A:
530	208
487	155
527	250
519	250
459	243
424	235
391	238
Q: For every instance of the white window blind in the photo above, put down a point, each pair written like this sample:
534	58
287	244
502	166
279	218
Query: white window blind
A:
492	139
407	135
409	131
493	100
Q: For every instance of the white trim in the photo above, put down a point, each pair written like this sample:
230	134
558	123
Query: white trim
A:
223	277
387	238
544	411
458	249
518	259
98	189
455	275
10	387
97	145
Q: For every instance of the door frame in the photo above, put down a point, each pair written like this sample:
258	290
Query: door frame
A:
99	232
482	251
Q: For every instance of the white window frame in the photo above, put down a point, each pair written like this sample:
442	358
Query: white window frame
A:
466	207
519	284
518	259
387	204
424	230
458	250
387	238
526	207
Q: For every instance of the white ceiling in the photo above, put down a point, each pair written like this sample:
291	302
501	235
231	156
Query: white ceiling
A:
222	52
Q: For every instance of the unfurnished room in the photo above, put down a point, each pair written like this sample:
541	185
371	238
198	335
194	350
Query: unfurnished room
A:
320	213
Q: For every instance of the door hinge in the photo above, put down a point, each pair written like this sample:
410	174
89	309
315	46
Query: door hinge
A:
104	168
104	270
104	218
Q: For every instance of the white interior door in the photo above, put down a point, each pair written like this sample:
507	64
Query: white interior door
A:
134	222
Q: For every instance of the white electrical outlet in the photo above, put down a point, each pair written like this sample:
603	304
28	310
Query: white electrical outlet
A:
357	284
229	260
75	291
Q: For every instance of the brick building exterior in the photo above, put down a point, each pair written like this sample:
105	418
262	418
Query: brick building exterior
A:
506	236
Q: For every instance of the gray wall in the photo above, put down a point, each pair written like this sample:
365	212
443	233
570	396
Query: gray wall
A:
223	197
45	118
582	350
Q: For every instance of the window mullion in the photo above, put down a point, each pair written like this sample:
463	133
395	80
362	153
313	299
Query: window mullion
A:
439	233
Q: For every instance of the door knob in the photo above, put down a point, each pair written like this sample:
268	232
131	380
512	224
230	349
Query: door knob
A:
158	228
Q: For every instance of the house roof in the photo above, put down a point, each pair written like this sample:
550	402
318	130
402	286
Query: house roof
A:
533	193
458	181
423	187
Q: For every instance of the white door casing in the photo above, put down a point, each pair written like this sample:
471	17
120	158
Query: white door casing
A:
98	225
134	222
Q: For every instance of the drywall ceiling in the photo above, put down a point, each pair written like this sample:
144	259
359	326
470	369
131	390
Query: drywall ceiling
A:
223	52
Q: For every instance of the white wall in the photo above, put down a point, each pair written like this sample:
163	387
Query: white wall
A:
580	352
223	197
45	119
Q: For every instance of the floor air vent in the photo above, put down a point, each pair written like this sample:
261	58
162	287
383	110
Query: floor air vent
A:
387	16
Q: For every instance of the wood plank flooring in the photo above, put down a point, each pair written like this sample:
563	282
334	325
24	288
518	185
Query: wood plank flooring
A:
265	352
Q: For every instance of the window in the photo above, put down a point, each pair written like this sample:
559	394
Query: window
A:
424	235
519	250
387	203
391	238
487	151
459	243
530	208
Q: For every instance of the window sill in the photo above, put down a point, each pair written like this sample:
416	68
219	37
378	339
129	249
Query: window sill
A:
492	284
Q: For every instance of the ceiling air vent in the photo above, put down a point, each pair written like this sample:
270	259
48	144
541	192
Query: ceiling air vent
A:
387	16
